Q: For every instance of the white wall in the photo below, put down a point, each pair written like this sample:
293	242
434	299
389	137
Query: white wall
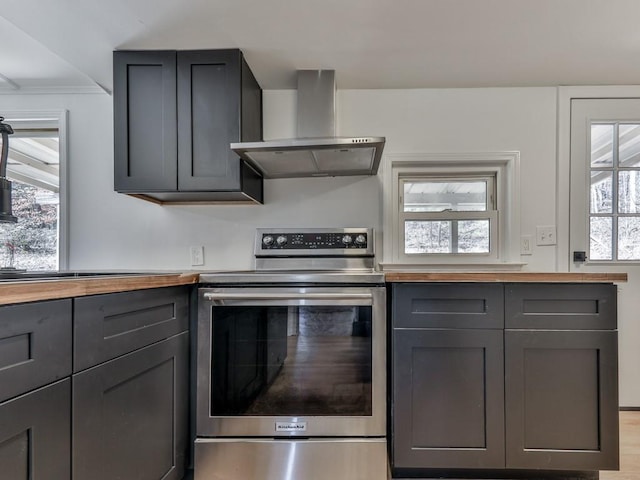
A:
109	230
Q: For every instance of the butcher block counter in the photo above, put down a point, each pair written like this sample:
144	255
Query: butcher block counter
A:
50	288
507	277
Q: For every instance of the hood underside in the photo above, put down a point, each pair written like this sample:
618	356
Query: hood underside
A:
317	152
313	157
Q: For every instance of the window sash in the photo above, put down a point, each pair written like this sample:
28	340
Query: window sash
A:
489	180
491	216
614	168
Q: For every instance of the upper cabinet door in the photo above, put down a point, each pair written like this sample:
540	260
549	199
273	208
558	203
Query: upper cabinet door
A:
211	115
145	121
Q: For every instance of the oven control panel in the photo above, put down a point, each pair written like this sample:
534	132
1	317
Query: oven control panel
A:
333	241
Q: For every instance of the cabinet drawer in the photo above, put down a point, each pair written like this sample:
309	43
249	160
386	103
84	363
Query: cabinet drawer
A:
447	305
35	345
107	326
561	307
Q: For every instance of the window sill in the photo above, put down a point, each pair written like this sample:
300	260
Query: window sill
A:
447	267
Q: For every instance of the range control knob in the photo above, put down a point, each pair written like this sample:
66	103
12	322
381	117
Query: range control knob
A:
281	240
347	239
267	240
361	239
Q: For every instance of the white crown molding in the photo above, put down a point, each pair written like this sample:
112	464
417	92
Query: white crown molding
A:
70	90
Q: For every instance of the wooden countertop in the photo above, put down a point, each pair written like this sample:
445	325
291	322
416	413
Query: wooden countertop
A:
21	291
553	277
33	290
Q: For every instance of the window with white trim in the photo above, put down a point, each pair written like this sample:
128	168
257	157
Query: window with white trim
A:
453	209
33	167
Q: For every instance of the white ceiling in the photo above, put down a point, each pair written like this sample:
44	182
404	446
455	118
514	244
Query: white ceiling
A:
370	43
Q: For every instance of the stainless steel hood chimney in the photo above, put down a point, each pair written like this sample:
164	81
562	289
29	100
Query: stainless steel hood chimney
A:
317	152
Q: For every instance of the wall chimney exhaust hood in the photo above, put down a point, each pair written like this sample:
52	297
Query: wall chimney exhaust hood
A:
317	152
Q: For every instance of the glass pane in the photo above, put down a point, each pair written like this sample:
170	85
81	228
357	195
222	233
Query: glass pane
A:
600	239
32	243
473	236
438	196
629	192
427	236
601	146
629	238
629	145
304	360
601	195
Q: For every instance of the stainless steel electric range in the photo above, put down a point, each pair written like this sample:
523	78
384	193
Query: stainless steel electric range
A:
291	362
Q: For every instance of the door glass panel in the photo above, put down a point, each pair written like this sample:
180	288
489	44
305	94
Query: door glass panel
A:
441	195
601	145
629	238
430	236
288	361
629	191
600	240
629	145
473	236
601	191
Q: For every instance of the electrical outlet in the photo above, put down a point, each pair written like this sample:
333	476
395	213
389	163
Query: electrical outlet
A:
197	256
546	235
526	245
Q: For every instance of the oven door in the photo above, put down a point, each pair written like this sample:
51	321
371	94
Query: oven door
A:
291	362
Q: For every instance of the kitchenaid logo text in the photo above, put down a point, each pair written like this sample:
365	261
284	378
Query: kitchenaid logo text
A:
291	427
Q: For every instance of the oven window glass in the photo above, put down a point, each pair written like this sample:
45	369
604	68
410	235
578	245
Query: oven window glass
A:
286	361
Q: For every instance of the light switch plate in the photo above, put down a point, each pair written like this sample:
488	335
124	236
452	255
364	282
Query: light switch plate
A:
546	235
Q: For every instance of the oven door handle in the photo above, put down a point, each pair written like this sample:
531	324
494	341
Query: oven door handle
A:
339	297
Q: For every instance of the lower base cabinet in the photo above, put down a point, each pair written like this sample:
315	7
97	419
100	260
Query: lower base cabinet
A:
504	380
35	441
128	415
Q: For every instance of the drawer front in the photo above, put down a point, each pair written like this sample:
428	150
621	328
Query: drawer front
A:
35	345
107	326
448	305
561	306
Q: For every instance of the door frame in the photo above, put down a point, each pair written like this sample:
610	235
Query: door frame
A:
563	174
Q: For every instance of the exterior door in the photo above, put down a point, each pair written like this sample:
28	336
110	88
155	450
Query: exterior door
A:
604	212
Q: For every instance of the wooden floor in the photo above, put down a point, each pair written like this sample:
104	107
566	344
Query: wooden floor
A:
629	449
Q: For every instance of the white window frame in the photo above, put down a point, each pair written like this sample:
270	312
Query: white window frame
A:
30	119
504	166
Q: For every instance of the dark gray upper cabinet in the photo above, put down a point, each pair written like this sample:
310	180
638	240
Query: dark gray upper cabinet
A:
175	115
